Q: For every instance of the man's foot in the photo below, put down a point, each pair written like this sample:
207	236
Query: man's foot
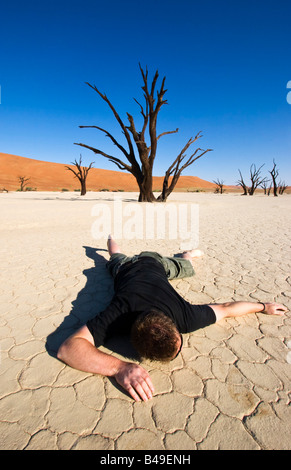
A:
112	246
192	254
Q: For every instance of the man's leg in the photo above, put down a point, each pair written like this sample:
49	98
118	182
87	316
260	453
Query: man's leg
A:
180	266
176	267
117	258
112	246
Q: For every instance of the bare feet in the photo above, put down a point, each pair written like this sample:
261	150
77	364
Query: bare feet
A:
192	254
112	246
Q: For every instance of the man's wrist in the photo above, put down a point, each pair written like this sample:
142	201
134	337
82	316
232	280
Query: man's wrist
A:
264	307
117	366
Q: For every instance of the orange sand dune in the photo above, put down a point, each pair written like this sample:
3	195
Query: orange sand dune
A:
48	176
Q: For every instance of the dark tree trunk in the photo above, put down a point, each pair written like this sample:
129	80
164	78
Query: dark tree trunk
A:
146	196
242	184
274	173
165	190
83	188
146	189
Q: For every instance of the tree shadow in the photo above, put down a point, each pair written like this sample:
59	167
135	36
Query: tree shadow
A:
90	301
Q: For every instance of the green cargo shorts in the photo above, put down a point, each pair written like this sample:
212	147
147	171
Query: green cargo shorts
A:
175	268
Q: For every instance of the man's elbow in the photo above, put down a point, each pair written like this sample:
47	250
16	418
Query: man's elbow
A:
71	346
61	354
220	310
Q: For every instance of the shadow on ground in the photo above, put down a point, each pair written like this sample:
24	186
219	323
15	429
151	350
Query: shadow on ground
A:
90	301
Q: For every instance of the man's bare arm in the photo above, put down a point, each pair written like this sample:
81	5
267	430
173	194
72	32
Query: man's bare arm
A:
236	309
79	352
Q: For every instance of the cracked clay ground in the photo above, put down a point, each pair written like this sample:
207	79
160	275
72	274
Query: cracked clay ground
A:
230	387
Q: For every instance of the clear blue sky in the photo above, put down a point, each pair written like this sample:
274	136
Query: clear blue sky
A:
227	64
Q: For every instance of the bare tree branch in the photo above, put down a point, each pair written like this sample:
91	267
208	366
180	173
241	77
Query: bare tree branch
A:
110	136
167	133
256	179
145	117
110	157
282	186
274	174
153	112
182	155
131	156
154	100
242	184
175	169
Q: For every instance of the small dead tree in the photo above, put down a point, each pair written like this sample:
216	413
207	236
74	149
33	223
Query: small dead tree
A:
23	182
274	174
282	186
256	179
219	186
136	141
241	183
264	185
80	172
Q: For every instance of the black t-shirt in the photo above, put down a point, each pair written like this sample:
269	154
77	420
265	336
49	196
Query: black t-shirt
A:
138	287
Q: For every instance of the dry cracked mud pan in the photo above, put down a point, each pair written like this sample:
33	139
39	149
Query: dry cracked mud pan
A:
228	389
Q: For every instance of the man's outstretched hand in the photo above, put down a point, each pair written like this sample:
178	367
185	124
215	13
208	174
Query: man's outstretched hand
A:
78	351
135	380
273	308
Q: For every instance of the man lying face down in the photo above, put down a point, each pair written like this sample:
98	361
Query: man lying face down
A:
147	306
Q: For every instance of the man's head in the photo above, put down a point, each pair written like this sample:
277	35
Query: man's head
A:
155	336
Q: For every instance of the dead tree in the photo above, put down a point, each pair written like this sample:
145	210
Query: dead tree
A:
80	172
23	182
142	170
264	185
274	174
219	186
256	179
242	184
282	186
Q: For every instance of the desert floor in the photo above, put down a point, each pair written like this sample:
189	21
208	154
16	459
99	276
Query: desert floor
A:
230	387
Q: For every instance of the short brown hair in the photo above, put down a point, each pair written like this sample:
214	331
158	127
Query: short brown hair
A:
154	335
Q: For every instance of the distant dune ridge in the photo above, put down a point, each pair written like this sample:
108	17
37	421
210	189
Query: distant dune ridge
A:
49	176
